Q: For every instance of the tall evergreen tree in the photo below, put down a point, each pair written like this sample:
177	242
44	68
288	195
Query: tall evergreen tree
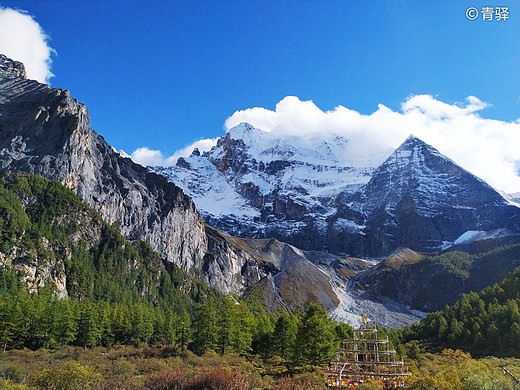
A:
316	341
284	335
205	327
64	327
89	330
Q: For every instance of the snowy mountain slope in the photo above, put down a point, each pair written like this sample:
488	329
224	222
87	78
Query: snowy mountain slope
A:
256	184
247	166
326	193
420	198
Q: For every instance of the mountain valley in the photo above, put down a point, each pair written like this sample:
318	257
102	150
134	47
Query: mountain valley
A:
288	220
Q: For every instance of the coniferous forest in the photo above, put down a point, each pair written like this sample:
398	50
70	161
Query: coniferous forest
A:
121	292
73	286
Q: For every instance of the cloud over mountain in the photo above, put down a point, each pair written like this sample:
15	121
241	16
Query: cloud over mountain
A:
146	156
23	39
487	148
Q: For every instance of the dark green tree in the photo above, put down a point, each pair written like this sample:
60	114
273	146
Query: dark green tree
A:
205	327
284	335
315	341
89	329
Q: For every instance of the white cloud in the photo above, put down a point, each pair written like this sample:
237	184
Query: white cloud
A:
488	148
145	156
203	145
22	39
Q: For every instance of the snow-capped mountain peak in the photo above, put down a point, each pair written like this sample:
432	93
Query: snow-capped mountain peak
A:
421	197
247	133
323	191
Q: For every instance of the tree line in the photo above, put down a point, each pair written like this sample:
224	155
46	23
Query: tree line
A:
122	293
219	323
485	323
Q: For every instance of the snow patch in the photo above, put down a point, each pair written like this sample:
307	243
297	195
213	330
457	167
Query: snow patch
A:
468	236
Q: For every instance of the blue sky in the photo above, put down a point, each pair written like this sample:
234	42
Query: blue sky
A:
171	72
163	74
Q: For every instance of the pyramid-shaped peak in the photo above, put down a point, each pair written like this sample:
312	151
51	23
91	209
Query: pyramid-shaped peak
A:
245	132
245	126
413	140
241	128
414	146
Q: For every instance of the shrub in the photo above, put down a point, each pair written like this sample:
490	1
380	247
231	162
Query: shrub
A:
166	380
14	373
115	385
219	379
70	376
8	384
122	370
298	383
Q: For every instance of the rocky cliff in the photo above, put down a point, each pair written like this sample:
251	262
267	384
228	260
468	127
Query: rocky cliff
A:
282	276
419	198
51	238
46	132
319	193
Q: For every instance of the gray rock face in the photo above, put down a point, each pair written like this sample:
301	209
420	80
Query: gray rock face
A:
318	198
420	199
230	265
255	184
11	69
46	132
285	277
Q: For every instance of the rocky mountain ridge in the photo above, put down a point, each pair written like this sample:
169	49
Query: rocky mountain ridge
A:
309	192
286	189
419	198
46	132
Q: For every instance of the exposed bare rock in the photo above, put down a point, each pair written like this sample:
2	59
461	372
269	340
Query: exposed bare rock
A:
316	194
46	132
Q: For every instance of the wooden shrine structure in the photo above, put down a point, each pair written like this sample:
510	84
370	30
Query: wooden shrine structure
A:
366	358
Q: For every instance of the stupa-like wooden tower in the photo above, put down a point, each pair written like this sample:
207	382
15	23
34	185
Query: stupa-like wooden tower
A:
366	358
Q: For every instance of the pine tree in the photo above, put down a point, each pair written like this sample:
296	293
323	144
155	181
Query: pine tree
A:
227	326
241	341
64	328
170	328
263	329
284	335
205	327
142	324
121	325
315	338
12	322
184	330
89	331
